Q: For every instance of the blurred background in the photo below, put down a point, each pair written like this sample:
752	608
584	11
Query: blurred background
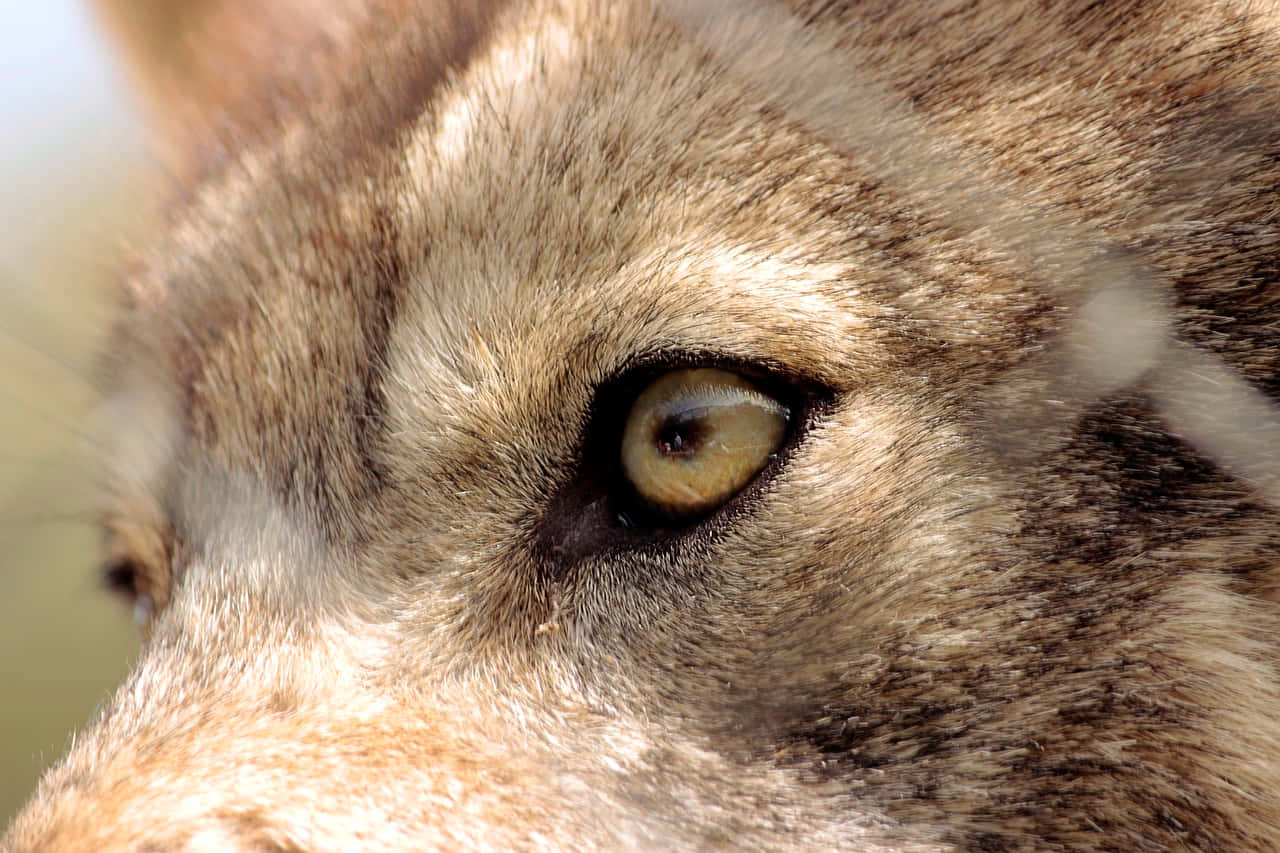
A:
73	190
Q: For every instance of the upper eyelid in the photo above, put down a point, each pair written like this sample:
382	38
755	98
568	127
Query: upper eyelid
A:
774	379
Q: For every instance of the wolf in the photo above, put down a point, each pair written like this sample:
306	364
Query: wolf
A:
652	424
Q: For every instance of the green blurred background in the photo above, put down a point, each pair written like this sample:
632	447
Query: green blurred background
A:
72	190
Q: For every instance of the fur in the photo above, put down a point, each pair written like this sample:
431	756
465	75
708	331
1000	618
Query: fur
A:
1014	585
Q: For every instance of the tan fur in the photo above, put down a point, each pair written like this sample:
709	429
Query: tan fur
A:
1015	587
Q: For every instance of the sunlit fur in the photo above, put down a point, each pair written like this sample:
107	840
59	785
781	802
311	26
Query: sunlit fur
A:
1014	586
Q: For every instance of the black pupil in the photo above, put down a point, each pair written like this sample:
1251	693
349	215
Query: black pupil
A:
680	435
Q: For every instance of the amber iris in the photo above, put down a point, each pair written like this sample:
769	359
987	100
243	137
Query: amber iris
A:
696	437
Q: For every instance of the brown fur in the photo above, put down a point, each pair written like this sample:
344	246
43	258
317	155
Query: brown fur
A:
362	372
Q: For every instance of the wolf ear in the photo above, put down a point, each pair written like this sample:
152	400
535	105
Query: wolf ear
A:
205	66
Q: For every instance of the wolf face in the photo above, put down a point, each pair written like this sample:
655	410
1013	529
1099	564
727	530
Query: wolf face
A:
581	424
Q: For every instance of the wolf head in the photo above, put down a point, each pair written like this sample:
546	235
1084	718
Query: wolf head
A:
589	424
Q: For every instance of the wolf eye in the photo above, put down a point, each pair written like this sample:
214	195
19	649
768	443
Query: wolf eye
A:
124	576
695	437
120	576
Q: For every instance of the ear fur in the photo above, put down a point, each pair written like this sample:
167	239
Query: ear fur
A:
203	66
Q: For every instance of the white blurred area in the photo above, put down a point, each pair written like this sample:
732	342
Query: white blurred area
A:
72	190
63	112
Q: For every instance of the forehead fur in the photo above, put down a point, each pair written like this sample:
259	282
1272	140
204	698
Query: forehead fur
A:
628	190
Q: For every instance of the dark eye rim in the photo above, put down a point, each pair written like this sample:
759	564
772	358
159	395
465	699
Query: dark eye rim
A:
121	576
597	512
138	569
